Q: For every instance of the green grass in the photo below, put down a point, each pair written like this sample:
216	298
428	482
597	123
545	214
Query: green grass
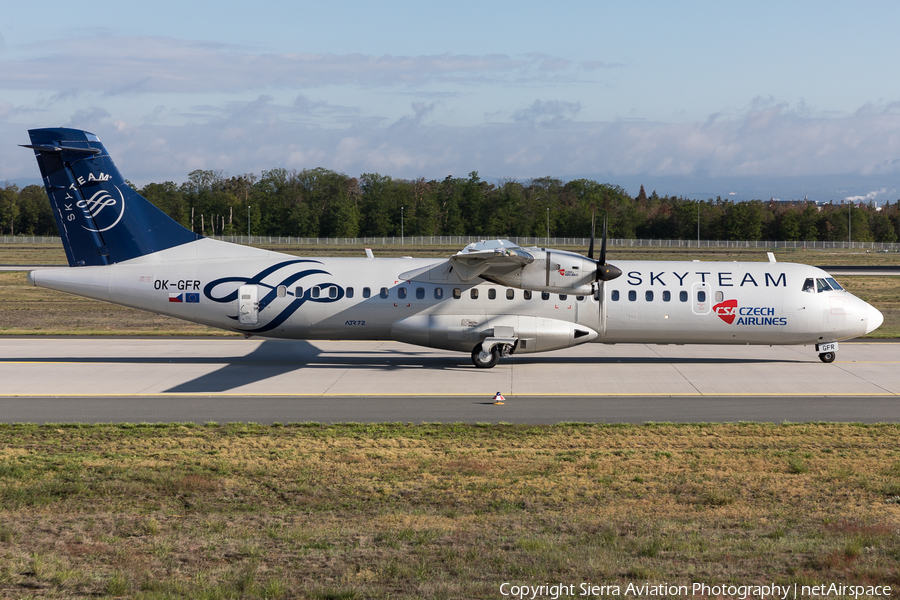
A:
444	511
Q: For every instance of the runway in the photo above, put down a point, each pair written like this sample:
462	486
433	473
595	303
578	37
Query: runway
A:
231	379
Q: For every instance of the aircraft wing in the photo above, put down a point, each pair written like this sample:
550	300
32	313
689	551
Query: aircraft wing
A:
494	257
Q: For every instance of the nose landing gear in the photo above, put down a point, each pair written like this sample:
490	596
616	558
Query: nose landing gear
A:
827	357
827	352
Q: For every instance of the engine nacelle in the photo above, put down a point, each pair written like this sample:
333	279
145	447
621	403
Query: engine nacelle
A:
462	333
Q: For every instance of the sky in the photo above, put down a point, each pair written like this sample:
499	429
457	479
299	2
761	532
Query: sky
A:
693	98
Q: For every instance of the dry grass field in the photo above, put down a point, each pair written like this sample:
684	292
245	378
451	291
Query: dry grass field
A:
36	311
440	511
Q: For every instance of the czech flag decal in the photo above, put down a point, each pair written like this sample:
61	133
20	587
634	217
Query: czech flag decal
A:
192	298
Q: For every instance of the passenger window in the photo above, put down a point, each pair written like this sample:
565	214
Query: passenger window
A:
720	296
383	293
701	296
527	294
682	295
667	296
834	284
473	293
438	293
579	298
615	295
563	296
367	292
648	296
632	295
298	291
545	295
420	293
332	292
401	292
457	293
349	292
315	292
281	291
492	294
822	286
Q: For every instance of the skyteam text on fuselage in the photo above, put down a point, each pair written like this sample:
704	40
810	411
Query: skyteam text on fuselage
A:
492	299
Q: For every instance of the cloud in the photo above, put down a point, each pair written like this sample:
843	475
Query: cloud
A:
88	117
769	139
870	196
550	113
319	107
119	65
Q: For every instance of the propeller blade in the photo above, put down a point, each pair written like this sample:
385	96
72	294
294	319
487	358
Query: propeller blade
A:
602	259
605	272
591	247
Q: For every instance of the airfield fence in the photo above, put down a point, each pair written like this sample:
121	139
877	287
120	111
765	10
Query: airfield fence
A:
461	241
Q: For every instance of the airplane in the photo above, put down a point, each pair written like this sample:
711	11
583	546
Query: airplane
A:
492	299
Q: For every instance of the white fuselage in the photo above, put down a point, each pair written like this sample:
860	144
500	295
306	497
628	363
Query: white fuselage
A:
363	298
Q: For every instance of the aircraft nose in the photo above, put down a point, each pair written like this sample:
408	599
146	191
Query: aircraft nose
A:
874	318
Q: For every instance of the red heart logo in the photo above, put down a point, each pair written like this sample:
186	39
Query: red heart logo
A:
726	310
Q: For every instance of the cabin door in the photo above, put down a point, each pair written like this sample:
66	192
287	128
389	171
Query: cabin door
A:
701	297
248	305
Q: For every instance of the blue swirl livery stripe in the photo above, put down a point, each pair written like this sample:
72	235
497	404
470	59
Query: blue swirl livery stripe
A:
267	299
296	304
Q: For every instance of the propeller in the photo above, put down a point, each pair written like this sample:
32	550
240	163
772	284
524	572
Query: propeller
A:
605	271
591	247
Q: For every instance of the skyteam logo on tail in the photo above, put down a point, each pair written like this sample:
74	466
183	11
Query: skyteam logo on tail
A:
96	207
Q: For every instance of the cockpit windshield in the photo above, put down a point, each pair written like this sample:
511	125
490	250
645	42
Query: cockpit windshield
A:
821	284
834	284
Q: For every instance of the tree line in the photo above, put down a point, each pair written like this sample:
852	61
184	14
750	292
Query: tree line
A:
323	203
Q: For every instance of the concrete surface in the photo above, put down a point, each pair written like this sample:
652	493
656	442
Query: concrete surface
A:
166	379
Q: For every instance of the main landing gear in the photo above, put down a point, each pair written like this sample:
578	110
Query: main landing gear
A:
487	360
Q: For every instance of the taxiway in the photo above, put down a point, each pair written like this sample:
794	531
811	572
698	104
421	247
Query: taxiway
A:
265	381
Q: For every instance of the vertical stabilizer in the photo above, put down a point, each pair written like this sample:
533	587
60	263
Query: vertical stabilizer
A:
101	219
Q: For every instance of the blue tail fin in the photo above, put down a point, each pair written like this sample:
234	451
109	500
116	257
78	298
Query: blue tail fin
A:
101	220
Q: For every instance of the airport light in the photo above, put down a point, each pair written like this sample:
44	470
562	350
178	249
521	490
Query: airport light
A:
248	223
401	224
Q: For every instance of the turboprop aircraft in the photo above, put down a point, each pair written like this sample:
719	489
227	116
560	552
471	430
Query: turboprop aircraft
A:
492	299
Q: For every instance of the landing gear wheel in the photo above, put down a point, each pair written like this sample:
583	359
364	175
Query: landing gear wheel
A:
827	357
483	360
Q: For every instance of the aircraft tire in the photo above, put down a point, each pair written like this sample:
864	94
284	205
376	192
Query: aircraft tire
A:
480	362
827	357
